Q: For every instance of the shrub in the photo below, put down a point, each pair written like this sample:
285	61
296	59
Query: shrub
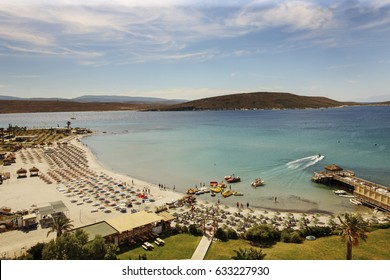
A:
194	230
317	231
262	233
232	234
221	234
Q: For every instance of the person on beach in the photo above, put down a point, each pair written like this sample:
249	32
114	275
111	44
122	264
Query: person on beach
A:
247	205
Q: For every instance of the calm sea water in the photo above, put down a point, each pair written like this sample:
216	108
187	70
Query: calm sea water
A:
186	149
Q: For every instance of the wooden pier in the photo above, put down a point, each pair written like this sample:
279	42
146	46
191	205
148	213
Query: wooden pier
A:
367	192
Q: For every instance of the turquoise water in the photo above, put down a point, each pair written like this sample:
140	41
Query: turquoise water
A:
185	149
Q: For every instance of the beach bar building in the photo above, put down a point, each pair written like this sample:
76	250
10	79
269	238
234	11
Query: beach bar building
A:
110	234
140	225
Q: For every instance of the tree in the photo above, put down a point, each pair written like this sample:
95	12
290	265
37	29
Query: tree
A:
353	229
261	233
249	254
64	247
221	235
60	225
75	246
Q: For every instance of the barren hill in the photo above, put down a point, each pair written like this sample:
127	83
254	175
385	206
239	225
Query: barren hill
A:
257	100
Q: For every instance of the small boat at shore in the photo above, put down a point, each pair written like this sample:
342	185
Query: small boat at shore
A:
340	192
215	189
257	183
232	179
227	193
191	191
355	201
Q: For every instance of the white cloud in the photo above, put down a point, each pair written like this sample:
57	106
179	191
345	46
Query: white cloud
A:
294	15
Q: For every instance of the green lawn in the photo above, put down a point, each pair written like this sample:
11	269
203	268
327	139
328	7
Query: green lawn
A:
326	248
182	246
177	247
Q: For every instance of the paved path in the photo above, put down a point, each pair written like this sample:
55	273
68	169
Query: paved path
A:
202	248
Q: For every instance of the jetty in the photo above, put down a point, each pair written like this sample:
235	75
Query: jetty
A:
369	193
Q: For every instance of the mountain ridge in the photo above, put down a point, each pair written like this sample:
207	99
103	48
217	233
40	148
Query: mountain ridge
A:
238	101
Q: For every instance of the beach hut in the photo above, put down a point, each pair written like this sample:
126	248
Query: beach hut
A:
333	168
34	171
22	173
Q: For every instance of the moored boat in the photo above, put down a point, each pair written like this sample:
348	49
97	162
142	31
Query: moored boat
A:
340	192
238	194
227	193
215	189
355	201
233	179
191	191
213	183
257	183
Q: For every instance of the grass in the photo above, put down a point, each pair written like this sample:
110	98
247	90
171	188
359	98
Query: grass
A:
177	247
326	248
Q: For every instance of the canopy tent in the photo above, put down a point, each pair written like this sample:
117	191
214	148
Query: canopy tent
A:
52	207
333	167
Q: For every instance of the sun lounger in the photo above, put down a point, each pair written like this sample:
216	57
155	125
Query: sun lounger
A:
145	247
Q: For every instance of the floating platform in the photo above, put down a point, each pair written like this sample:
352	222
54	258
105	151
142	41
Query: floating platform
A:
367	192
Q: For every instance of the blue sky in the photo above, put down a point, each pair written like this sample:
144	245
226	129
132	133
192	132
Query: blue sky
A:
194	49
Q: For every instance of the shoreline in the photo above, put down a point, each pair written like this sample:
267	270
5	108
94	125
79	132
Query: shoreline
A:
198	198
78	181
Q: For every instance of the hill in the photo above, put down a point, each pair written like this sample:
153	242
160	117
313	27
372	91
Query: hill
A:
128	99
34	106
257	100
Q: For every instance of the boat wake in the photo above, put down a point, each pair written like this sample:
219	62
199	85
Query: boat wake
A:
288	174
305	162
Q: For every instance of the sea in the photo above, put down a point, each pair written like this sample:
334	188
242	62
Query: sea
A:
183	150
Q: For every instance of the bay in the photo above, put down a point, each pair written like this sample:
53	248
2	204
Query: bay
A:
283	147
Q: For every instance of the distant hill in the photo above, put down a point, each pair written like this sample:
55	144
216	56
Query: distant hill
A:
128	99
34	106
257	100
102	98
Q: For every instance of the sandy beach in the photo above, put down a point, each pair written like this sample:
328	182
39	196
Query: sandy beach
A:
71	173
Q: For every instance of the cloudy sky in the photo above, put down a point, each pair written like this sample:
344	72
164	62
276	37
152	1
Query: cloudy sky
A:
194	49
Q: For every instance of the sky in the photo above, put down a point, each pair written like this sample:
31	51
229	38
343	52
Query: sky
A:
180	49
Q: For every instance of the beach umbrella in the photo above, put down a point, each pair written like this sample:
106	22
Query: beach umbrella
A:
21	171
34	169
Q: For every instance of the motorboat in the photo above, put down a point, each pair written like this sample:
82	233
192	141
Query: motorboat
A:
233	179
355	201
257	183
213	183
340	192
238	194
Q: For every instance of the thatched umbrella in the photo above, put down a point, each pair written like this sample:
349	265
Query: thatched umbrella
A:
21	172
333	168
34	171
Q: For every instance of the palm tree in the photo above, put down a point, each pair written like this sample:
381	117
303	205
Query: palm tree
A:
353	229
60	225
248	254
